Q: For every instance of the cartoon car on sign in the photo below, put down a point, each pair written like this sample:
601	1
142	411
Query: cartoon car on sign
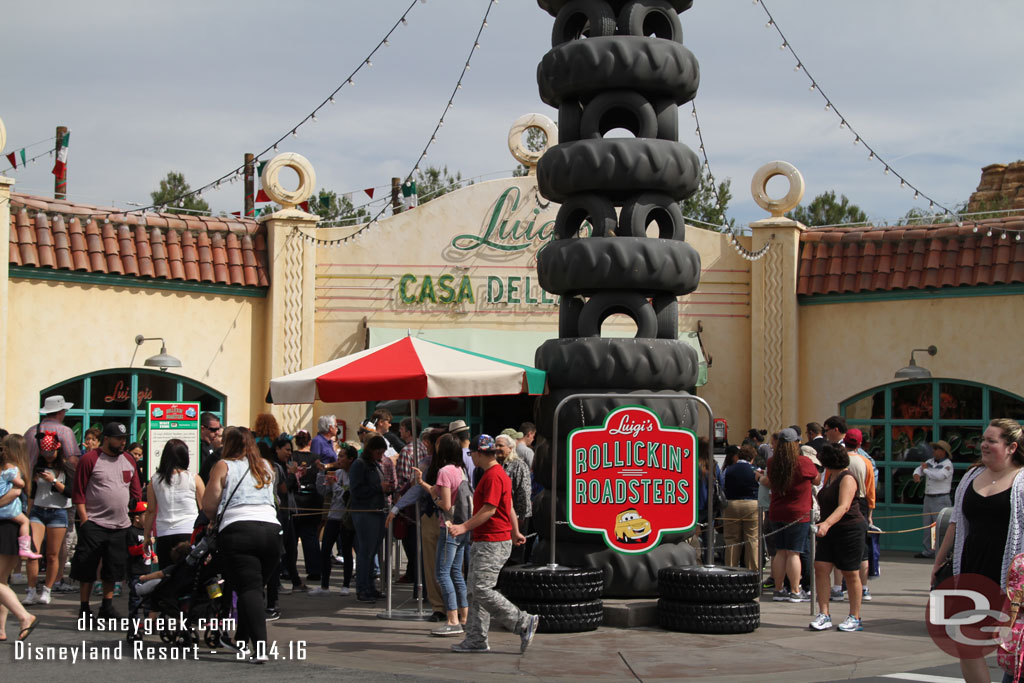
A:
630	527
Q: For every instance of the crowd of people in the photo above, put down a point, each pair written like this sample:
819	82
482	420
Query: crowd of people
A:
266	493
459	503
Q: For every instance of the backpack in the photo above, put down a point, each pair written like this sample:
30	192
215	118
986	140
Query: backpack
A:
462	503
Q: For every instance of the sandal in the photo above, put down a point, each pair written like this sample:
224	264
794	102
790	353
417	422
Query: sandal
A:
28	629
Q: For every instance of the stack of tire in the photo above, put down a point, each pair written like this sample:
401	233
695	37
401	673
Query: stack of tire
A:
616	64
709	599
567	600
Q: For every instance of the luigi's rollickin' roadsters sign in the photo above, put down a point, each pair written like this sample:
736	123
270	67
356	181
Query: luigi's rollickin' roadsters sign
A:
632	479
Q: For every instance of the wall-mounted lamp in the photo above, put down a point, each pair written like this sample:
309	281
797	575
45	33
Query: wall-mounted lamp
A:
914	371
163	360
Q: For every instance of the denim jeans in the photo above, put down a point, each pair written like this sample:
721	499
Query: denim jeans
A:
335	532
451	550
369	529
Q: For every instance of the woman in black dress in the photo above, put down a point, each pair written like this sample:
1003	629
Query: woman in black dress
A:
986	530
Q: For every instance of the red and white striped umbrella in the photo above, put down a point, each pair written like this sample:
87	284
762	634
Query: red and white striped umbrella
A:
409	368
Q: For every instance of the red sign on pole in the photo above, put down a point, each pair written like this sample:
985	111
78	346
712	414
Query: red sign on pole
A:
632	480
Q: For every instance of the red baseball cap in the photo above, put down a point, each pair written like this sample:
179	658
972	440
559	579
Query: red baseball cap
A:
854	438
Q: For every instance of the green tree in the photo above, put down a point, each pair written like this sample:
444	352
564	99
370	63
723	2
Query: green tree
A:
171	188
536	140
710	203
331	207
433	182
825	209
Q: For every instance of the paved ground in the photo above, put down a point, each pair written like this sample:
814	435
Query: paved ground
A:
344	640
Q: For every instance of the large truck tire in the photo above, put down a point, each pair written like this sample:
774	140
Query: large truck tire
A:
613	363
581	69
537	583
704	618
565	617
716	585
618	168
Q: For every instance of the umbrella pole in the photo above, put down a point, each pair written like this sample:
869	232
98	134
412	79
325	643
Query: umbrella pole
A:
409	614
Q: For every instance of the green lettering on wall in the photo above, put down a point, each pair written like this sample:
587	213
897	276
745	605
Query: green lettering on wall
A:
529	294
513	289
406	280
495	289
427	290
444	286
465	291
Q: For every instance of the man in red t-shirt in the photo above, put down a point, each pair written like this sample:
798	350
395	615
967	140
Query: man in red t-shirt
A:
495	528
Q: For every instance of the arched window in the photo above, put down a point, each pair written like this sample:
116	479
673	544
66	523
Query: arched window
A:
120	394
900	421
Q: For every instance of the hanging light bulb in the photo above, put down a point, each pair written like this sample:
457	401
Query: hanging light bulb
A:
405	22
350	82
313	118
295	133
797	67
368	62
770	23
275	147
842	124
856	140
828	105
916	194
386	43
871	156
331	99
886	172
813	87
783	46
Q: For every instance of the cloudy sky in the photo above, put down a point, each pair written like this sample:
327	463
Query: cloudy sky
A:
934	86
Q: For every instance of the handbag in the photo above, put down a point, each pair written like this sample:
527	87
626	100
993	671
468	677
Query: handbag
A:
721	502
213	528
1011	651
945	571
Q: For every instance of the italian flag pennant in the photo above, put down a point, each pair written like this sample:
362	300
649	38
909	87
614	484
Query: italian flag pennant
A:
13	159
60	167
409	194
369	191
261	196
305	206
22	156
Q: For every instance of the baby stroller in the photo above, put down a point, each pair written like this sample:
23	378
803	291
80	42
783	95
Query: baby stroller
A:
192	588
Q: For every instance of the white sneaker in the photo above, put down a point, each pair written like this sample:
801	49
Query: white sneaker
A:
319	591
822	622
344	590
31	598
44	596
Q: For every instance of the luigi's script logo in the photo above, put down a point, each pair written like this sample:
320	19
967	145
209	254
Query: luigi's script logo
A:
632	480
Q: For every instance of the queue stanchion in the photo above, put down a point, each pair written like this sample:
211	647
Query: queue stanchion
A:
810	554
417	614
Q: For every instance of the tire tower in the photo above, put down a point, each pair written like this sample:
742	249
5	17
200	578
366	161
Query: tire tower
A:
615	64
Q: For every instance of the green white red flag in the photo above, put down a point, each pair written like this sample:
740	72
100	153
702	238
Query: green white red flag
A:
60	167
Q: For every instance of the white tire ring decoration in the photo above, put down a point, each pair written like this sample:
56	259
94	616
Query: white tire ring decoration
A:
759	187
522	154
272	186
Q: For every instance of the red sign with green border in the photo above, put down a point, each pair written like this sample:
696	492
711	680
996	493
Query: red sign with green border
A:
632	480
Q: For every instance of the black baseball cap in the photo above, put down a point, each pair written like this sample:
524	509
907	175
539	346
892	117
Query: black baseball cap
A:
115	429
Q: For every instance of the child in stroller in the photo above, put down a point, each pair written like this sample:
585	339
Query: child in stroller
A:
188	589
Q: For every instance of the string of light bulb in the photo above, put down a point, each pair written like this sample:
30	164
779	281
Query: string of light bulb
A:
844	122
355	236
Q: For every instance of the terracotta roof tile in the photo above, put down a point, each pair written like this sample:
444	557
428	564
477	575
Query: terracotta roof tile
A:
61	243
94	241
127	245
190	256
79	250
160	265
44	242
902	257
26	240
204	254
111	248
56	233
220	258
249	266
175	257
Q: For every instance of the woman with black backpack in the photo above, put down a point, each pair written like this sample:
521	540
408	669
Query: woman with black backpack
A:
447	483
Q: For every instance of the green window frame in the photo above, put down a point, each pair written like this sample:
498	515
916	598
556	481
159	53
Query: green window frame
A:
87	411
890	412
